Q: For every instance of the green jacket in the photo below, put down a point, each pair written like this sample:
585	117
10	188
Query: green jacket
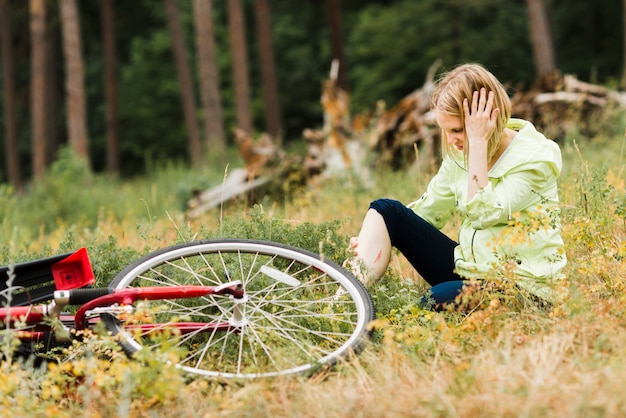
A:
510	228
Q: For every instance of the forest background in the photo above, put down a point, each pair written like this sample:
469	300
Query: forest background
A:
507	360
268	61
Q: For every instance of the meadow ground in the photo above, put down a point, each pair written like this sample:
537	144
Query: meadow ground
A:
508	359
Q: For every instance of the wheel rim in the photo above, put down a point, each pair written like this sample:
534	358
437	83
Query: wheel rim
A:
292	320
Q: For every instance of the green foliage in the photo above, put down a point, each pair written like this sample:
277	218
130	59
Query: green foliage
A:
109	258
61	194
302	54
70	197
393	294
594	222
150	107
322	238
391	47
576	47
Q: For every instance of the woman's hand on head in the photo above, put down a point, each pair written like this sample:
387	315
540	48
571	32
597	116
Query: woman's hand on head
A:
480	116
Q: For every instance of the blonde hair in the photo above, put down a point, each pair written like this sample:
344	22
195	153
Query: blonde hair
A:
461	83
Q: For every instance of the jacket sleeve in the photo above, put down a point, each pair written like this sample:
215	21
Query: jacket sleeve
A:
515	191
438	202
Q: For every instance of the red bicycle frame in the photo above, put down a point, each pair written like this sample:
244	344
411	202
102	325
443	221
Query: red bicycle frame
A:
34	316
72	273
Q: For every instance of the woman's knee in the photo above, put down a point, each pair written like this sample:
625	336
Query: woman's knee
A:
387	207
394	215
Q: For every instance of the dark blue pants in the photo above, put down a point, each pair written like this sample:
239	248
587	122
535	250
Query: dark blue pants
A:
428	250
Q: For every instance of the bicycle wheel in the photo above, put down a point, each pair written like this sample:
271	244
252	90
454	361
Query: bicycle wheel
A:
300	312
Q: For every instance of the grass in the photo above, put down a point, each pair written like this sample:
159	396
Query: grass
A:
506	360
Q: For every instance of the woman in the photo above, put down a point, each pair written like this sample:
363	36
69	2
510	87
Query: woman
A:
500	175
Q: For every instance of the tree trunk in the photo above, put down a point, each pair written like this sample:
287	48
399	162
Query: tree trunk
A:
184	78
209	76
238	49
336	41
75	79
110	87
268	68
541	37
12	154
624	45
38	84
54	94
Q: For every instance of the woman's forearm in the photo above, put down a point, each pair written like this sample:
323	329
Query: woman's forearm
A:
480	121
477	168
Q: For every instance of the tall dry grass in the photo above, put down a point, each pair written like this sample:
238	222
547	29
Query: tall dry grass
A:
510	359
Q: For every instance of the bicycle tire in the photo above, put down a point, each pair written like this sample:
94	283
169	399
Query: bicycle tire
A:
295	319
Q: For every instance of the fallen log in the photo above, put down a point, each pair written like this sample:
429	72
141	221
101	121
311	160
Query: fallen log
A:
569	97
268	169
572	105
259	155
572	84
237	183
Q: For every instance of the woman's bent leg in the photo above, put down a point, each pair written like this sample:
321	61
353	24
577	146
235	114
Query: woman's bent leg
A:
428	250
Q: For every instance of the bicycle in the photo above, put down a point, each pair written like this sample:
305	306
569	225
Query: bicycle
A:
236	308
